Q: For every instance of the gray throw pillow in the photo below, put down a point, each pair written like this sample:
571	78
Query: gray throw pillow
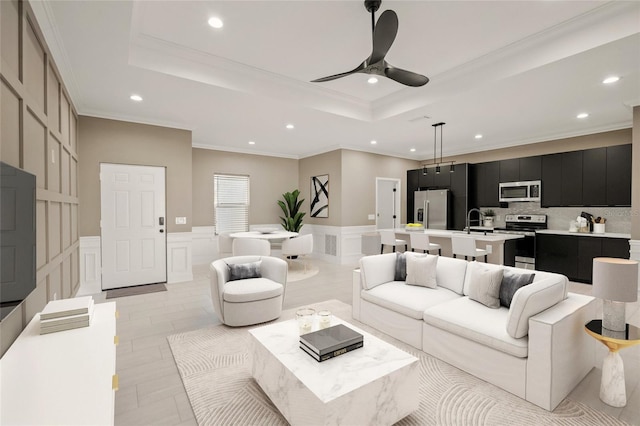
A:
484	286
401	267
242	271
511	282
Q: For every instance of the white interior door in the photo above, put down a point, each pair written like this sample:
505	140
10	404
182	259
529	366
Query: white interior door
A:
387	203
132	225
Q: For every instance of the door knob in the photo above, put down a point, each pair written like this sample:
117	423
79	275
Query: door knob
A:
161	231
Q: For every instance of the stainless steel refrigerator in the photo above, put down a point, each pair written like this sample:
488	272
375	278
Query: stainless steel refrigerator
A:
431	208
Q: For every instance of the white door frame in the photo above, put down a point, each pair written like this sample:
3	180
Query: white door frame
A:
133	231
397	200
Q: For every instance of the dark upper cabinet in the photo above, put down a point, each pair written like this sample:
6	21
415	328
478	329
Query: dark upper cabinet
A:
510	170
571	181
551	179
594	177
442	180
531	168
427	180
618	175
486	177
413	183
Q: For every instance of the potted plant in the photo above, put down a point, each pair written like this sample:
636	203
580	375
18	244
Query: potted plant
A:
488	216
292	220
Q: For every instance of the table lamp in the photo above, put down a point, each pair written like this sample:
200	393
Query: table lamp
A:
616	282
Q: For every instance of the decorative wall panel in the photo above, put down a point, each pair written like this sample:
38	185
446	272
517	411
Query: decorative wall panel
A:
38	134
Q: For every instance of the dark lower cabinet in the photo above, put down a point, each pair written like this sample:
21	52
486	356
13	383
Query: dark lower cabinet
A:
573	255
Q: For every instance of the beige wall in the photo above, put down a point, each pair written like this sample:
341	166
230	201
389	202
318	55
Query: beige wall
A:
359	173
38	134
329	163
596	140
111	141
270	177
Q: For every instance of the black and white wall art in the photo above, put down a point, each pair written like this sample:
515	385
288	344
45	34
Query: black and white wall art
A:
320	196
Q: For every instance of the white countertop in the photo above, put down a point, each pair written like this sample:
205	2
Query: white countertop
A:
442	233
584	234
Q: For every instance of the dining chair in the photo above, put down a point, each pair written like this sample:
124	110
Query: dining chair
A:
298	246
466	246
421	241
388	238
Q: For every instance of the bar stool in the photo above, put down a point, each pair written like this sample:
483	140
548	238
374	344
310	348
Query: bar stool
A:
388	238
466	246
421	241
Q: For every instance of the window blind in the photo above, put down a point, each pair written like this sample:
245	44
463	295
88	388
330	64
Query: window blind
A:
231	203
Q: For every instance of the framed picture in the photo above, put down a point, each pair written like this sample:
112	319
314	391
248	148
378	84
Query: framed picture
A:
319	196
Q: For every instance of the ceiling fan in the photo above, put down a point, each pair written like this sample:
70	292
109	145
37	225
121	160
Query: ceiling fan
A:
384	33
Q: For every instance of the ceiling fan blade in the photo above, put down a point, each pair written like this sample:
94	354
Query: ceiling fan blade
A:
405	77
344	74
384	34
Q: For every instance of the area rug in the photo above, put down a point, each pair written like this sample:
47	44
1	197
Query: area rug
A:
215	366
297	271
135	291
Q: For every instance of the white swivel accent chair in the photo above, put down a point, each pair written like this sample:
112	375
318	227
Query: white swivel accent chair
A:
420	241
466	246
388	238
252	300
298	246
251	247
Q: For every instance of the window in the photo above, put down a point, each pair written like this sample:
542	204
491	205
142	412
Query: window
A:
231	203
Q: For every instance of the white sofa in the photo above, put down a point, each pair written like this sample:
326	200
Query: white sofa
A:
536	349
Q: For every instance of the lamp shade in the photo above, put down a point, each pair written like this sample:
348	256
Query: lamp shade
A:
615	279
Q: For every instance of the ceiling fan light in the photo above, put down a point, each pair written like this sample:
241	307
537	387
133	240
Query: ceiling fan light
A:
372	80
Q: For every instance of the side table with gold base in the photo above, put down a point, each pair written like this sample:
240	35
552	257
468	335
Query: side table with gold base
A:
612	387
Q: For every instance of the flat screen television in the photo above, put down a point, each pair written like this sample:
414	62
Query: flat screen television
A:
17	237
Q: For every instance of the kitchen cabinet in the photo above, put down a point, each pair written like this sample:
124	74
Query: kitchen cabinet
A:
573	255
427	181
571	181
594	173
413	183
618	186
551	178
531	168
486	177
510	170
459	180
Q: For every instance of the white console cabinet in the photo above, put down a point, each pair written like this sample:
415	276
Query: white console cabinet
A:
63	378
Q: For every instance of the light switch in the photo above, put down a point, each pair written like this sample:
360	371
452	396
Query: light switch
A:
372	217
181	220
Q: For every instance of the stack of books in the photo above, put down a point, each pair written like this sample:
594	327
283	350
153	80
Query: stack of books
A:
330	342
66	314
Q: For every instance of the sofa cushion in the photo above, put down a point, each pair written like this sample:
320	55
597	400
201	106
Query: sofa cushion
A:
450	273
377	269
533	299
484	285
421	270
242	271
251	289
511	282
471	268
400	273
406	299
476	322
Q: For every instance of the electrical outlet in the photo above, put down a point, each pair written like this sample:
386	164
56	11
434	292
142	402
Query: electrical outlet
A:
489	248
181	220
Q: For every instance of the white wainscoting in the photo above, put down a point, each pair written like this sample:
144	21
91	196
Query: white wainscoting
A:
347	240
205	244
179	257
90	266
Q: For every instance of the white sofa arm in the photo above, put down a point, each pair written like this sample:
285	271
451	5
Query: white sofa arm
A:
356	288
560	351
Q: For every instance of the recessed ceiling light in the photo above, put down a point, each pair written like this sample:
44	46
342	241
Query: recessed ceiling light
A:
478	136
290	126
372	80
582	115
611	79
136	98
252	143
374	142
412	150
215	22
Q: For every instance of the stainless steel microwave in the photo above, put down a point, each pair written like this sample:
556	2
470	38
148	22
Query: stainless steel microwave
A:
520	191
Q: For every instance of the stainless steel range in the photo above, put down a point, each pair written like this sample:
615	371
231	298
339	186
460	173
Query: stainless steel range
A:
525	225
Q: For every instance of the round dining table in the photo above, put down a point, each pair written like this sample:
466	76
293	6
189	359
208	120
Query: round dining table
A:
275	235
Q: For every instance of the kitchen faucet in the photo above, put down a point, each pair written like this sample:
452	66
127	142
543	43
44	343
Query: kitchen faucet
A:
481	215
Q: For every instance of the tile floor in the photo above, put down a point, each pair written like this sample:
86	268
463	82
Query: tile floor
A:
151	391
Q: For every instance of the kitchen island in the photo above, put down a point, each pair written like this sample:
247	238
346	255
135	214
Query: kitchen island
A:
494	243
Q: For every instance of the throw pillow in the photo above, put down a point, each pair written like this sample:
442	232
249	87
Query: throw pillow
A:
421	270
511	282
401	267
484	286
242	271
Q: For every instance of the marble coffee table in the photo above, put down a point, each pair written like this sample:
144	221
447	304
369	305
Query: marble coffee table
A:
373	385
